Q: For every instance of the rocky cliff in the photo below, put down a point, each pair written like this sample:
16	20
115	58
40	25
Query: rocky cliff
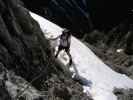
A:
82	16
25	51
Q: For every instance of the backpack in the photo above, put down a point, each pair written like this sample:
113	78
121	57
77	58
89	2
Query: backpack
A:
64	41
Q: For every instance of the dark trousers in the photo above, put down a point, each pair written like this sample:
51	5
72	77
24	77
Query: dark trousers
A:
67	50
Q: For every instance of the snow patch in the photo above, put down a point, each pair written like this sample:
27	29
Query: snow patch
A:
88	65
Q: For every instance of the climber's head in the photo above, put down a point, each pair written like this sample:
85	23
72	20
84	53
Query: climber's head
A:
66	32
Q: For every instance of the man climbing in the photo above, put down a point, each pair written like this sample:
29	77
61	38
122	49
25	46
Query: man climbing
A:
65	40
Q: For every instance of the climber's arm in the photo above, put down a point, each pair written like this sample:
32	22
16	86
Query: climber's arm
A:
55	38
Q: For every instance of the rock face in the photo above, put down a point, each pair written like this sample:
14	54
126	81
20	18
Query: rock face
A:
21	40
82	15
113	53
124	94
25	51
71	14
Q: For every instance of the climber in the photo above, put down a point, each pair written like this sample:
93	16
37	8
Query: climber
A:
65	40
